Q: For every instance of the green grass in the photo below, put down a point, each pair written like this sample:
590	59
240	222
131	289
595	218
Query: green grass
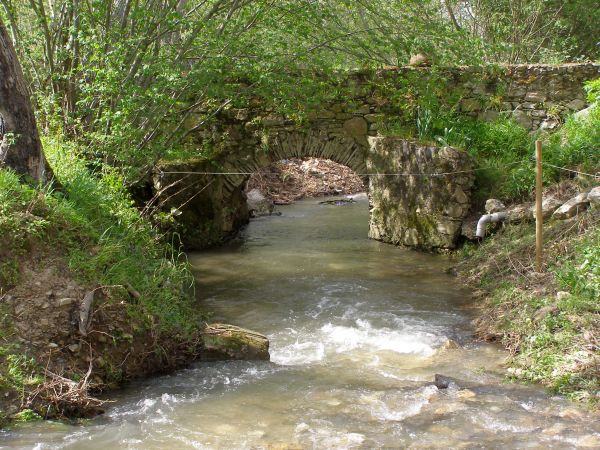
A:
93	227
105	240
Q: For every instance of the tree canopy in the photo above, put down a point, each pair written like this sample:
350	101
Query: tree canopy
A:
124	76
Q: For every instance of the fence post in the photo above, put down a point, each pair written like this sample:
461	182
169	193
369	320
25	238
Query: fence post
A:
539	219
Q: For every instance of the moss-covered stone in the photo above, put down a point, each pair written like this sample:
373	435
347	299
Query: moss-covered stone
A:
222	341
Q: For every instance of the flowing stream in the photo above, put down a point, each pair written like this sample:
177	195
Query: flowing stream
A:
357	329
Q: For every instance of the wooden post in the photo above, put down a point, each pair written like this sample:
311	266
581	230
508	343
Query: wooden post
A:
539	219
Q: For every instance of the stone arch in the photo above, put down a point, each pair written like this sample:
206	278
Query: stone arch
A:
339	146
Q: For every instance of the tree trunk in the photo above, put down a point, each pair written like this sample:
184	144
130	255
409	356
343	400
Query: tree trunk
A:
20	145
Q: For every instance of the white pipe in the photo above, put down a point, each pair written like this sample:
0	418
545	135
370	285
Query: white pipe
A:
487	218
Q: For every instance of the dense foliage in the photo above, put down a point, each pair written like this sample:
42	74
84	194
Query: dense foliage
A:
124	77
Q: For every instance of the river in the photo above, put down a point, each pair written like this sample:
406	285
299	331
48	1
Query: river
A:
358	329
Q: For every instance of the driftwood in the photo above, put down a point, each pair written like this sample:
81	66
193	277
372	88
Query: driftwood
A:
132	292
84	312
67	397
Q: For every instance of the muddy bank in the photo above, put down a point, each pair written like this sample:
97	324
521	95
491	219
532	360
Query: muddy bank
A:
55	362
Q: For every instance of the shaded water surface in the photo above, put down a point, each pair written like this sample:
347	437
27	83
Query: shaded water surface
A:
357	331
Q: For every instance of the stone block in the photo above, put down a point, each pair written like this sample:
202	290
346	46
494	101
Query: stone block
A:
488	116
550	124
522	118
535	97
538	113
373	118
576	105
572	207
363	110
460	196
358	128
470	105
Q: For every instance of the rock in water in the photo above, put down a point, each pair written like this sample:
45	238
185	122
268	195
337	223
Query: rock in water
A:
223	342
258	204
442	381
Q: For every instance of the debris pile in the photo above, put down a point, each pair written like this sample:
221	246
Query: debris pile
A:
293	179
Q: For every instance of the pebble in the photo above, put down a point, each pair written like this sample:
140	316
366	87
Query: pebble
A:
74	348
65	302
466	394
53	345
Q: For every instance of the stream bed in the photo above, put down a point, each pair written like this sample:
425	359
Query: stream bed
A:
358	329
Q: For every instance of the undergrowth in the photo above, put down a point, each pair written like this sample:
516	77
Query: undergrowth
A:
549	321
90	223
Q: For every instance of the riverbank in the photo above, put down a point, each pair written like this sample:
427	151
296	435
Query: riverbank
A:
84	245
549	321
91	295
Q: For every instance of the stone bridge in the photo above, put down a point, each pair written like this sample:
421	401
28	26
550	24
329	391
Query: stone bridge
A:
417	197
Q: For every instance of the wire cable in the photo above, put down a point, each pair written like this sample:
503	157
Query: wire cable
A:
572	171
434	174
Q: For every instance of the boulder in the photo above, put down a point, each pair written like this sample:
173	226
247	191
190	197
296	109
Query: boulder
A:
549	205
493	206
258	204
519	213
594	197
572	207
468	228
226	342
584	113
442	381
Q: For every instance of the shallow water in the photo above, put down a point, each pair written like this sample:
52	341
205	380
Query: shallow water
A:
357	331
